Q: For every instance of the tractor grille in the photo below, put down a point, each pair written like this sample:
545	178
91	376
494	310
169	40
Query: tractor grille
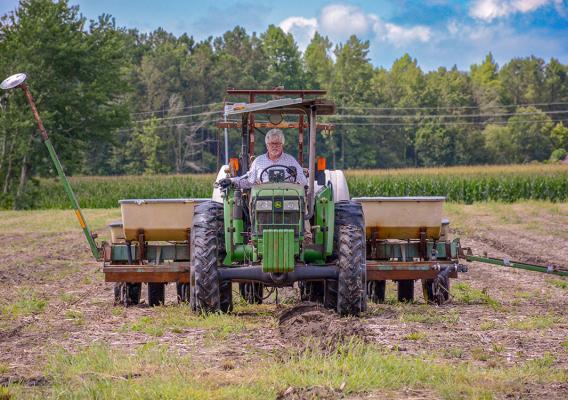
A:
272	220
277	217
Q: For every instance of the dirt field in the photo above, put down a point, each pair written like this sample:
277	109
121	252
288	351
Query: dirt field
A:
504	335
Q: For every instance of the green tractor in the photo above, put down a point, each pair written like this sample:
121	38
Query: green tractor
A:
256	237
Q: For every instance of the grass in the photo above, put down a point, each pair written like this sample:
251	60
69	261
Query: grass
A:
26	303
459	184
76	316
453	352
464	293
416	336
559	283
479	354
68	298
4	369
50	221
536	322
487	325
426	314
532	216
177	319
155	371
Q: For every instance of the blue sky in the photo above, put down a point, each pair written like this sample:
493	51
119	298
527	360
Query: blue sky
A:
436	32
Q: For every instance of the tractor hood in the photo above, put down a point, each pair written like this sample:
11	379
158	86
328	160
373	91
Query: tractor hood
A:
277	189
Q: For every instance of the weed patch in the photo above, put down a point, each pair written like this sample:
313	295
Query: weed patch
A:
536	322
487	325
156	371
559	283
464	293
415	336
27	302
430	315
180	318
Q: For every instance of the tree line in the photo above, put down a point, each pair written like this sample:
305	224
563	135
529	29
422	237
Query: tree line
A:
117	101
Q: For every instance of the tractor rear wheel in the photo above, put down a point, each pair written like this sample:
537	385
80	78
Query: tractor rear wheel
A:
376	291
436	291
406	290
206	252
252	292
351	262
156	293
127	294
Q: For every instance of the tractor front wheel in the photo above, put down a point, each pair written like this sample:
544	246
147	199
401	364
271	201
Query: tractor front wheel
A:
351	262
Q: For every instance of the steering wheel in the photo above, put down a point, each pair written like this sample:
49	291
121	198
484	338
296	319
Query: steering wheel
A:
292	173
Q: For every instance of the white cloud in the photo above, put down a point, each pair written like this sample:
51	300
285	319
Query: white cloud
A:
301	28
488	10
399	35
343	20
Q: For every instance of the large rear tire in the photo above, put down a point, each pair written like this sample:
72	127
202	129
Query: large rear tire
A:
351	262
207	248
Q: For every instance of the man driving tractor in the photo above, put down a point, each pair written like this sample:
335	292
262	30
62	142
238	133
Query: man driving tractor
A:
274	156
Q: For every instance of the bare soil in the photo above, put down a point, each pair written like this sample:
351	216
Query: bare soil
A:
527	318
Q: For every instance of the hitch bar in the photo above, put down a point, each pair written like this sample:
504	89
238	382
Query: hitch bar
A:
301	272
505	262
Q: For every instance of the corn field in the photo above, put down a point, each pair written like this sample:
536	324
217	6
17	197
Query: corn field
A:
458	184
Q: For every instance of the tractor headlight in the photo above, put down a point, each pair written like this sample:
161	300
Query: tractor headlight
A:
264	205
291	205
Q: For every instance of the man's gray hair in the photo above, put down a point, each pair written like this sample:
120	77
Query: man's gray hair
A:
274	133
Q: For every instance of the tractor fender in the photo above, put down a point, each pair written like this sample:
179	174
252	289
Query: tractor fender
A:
339	185
217	197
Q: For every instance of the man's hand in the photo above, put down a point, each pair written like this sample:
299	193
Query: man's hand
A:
225	183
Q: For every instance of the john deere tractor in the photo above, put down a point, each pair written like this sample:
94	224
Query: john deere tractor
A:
257	237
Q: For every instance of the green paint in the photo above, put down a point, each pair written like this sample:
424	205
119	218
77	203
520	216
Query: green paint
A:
278	250
277	189
324	217
514	264
73	199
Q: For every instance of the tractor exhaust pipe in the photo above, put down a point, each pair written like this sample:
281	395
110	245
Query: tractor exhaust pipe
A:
17	81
